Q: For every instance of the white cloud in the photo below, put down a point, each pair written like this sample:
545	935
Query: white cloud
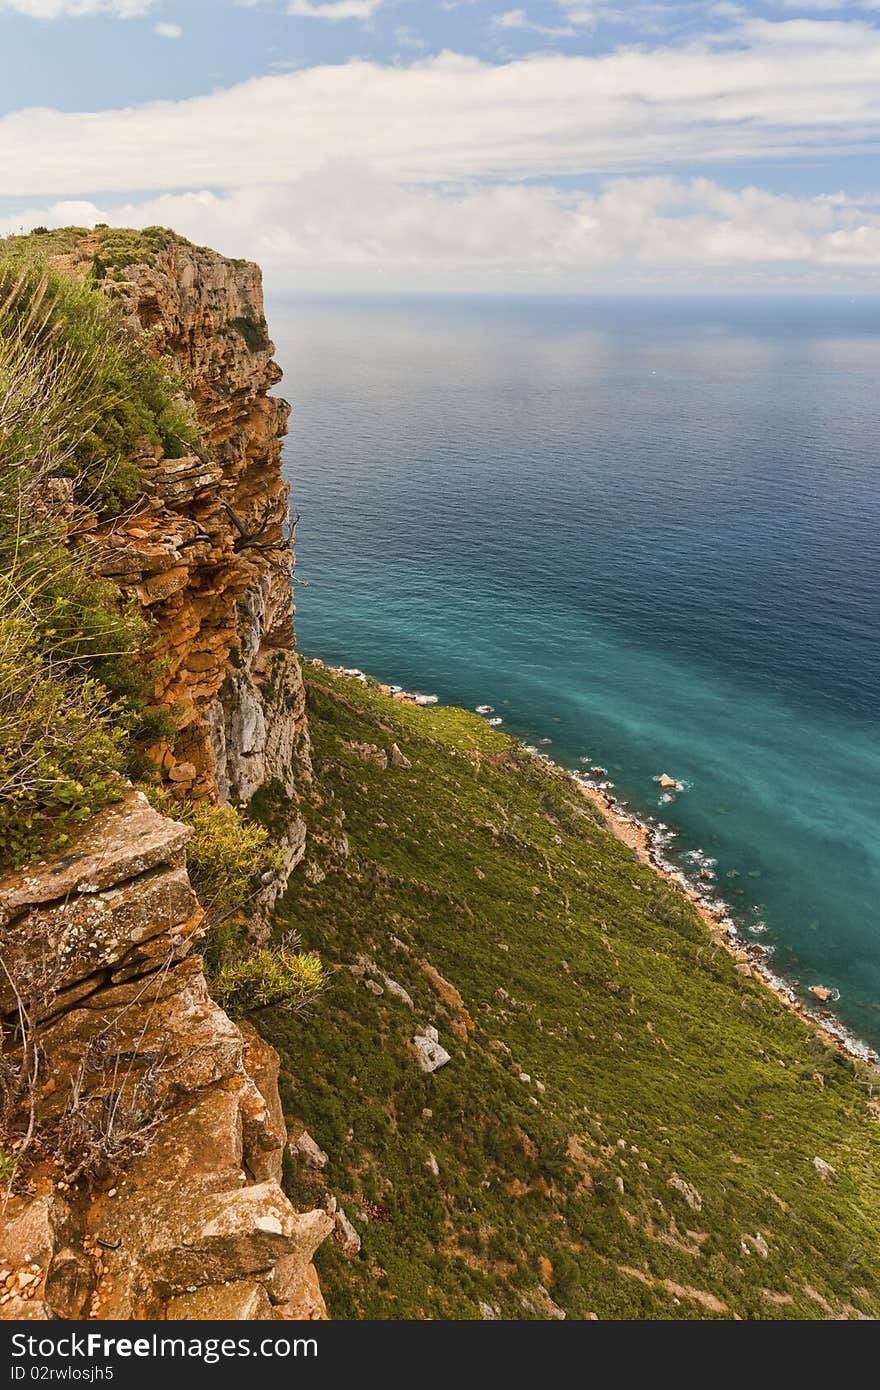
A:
579	11
334	10
781	90
345	225
519	19
441	172
61	9
410	38
168	31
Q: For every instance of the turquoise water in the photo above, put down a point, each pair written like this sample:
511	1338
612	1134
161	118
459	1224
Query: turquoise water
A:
646	532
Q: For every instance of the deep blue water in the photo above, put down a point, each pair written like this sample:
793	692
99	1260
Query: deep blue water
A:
647	531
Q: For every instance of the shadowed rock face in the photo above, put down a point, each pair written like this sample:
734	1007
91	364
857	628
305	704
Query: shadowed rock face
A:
208	550
193	1220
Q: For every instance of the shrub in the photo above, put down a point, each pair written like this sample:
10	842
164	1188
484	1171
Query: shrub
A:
279	976
226	854
79	398
60	756
102	397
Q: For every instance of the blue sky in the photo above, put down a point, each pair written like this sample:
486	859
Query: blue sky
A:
557	144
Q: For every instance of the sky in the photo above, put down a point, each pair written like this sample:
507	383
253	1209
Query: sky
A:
558	146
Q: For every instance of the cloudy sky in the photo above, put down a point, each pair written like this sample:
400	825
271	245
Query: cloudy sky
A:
557	145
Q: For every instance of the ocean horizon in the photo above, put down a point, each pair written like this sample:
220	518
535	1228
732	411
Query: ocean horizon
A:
645	531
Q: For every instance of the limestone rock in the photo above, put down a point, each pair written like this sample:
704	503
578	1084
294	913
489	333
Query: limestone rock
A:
399	759
346	1235
825	1170
222	1237
264	1130
308	1304
398	992
196	1208
291	1270
367	752
207	551
120	843
755	1245
303	1146
195	1224
245	1299
539	1303
30	1231
687	1191
69	1284
429	1054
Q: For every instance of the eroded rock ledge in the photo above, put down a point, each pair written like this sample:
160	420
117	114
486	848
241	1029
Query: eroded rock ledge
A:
183	1215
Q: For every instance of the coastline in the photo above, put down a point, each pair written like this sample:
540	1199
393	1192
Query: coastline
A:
647	842
640	837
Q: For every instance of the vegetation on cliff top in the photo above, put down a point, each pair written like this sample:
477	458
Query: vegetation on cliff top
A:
628	1123
80	399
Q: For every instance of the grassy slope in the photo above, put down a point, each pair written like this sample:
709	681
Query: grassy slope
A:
639	1028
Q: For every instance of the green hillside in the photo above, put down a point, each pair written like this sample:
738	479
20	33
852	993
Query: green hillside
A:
659	1160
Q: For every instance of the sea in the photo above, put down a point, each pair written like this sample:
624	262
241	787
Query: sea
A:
646	532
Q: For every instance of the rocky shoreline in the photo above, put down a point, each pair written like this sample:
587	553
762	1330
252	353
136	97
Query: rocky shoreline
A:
640	836
648	841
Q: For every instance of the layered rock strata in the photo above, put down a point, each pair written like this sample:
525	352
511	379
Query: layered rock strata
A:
155	1162
150	1181
208	551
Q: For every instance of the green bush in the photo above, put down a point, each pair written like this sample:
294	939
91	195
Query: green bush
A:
79	399
226	854
107	397
60	756
279	976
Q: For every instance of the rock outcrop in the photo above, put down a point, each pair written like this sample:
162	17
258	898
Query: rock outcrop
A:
152	1181
208	551
155	1188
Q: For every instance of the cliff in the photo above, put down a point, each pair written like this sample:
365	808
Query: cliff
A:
207	550
151	1122
539	1086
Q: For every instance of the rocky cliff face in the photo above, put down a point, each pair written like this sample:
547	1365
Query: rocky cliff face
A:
153	1183
143	1087
209	551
